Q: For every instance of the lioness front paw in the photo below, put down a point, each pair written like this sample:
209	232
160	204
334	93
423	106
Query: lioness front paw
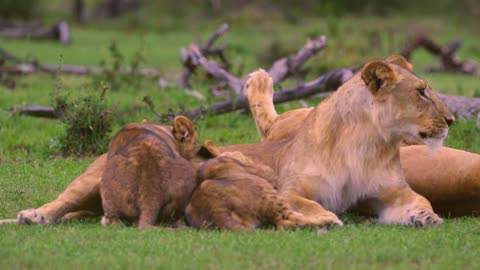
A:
32	216
325	220
424	218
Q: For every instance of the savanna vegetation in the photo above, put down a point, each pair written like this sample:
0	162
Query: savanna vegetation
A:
38	158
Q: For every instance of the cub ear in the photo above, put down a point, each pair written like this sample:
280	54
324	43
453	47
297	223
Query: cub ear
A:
400	61
379	77
183	130
212	148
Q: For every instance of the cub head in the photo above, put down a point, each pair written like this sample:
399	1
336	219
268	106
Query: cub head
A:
405	104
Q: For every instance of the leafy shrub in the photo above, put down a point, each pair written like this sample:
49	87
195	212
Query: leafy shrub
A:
88	124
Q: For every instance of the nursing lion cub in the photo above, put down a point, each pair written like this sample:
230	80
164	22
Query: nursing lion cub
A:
150	173
234	193
347	148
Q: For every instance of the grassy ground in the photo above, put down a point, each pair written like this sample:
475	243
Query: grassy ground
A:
32	174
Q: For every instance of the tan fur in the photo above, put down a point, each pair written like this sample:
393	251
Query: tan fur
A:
148	176
448	178
349	144
234	193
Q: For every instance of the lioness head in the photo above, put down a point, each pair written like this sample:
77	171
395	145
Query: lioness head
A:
405	103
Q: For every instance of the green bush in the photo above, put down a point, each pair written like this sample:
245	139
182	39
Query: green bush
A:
88	124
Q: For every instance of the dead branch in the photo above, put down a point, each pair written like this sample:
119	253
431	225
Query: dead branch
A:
36	111
28	68
191	64
215	70
326	82
284	67
449	61
24	67
59	31
279	71
462	107
198	55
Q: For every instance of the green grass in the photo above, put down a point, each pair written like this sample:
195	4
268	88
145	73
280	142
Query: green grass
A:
31	174
356	246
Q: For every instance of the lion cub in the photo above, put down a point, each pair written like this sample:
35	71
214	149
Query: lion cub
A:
233	193
150	173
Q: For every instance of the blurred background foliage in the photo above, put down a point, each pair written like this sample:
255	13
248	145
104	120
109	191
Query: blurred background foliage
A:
292	11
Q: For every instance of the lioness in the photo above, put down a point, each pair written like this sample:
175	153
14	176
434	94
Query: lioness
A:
448	178
234	193
83	194
150	173
347	148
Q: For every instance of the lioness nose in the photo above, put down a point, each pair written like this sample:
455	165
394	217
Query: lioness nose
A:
450	120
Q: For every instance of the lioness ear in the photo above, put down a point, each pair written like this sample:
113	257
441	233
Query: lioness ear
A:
400	61
379	77
183	130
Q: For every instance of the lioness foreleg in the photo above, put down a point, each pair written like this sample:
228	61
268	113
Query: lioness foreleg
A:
312	211
404	206
81	194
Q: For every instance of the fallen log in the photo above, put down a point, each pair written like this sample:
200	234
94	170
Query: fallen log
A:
190	64
24	67
36	111
327	82
462	107
215	70
449	61
59	31
285	67
197	55
28	68
279	71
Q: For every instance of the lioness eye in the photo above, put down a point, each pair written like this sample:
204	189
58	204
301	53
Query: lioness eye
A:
421	91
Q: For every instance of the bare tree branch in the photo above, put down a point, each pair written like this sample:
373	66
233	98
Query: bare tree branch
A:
449	61
462	107
37	111
216	71
191	64
284	67
27	67
59	31
326	82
